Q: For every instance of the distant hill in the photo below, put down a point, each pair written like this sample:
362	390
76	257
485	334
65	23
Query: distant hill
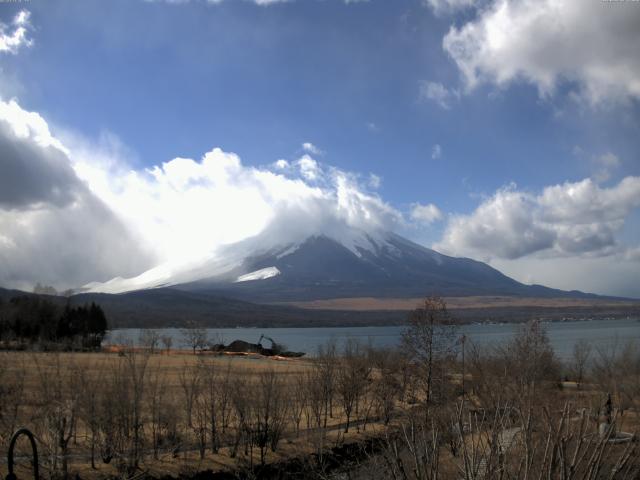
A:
170	307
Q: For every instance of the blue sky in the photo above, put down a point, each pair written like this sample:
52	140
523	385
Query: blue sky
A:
147	82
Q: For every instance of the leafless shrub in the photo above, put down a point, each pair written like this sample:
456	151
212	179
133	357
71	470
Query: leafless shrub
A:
11	397
579	360
387	386
325	366
149	339
297	399
195	338
90	385
189	379
167	342
268	412
616	370
58	394
352	378
157	408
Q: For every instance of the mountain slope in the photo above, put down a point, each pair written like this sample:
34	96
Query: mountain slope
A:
168	307
391	266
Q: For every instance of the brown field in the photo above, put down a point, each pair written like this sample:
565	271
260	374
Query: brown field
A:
39	371
477	302
520	393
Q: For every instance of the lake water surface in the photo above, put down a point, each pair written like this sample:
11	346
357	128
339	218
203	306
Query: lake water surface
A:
563	335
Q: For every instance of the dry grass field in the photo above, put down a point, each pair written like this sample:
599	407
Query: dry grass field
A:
511	408
472	302
59	387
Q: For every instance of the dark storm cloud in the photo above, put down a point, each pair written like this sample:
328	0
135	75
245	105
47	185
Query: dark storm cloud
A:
53	229
32	174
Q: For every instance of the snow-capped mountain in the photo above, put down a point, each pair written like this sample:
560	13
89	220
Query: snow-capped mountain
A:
235	262
352	264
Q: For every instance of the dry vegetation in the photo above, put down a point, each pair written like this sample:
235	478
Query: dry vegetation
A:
502	412
118	414
472	302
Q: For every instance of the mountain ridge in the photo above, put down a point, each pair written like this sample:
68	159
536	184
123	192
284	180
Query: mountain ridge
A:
322	268
172	308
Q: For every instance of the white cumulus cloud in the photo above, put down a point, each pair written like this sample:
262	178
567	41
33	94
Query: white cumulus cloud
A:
309	168
441	7
311	148
571	219
281	164
426	214
14	36
592	44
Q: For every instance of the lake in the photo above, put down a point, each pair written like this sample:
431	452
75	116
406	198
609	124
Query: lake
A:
563	335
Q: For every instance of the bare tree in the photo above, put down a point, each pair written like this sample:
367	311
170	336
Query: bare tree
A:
224	397
120	410
412	452
545	443
387	386
488	377
616	370
430	341
325	366
352	378
604	369
316	409
241	401
201	421
297	401
157	408
135	366
12	375
530	363
268	412
149	339
59	395
581	354
91	385
212	386
629	365
110	408
167	342
189	379
196	338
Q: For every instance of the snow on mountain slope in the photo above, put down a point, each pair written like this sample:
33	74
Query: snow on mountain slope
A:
350	263
261	274
164	275
232	262
385	265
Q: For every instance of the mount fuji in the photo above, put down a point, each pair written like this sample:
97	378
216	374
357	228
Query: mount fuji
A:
340	277
324	266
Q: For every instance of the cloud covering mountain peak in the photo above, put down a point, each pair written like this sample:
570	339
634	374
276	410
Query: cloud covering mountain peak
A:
169	215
